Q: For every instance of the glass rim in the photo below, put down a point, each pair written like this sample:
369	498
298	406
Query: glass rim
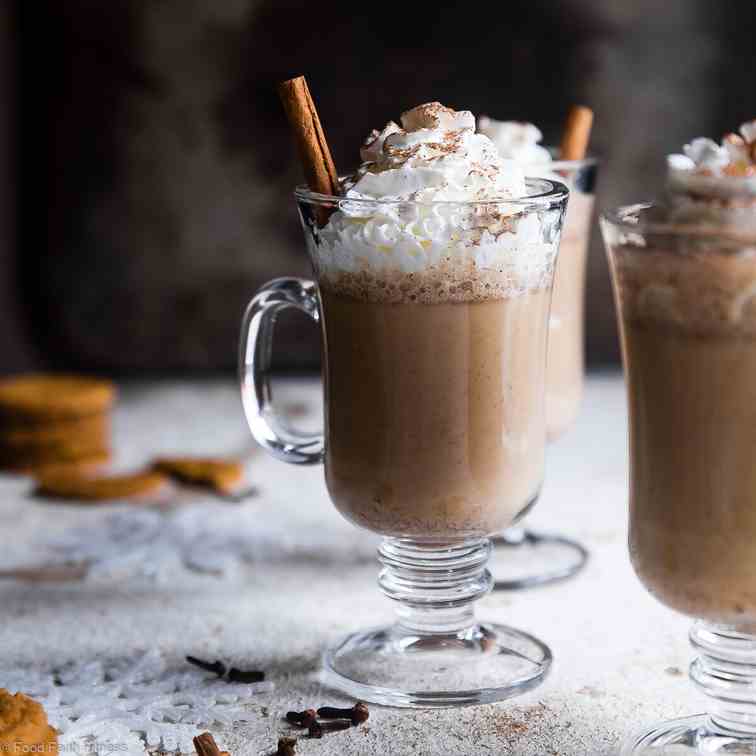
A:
628	218
557	164
556	191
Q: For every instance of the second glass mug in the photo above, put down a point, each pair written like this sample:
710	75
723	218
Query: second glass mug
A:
434	429
524	557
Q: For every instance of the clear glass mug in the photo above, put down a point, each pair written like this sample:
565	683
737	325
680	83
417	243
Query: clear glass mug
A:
434	373
523	557
566	353
685	289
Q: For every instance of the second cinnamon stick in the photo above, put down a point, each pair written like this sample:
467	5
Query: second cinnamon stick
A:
577	132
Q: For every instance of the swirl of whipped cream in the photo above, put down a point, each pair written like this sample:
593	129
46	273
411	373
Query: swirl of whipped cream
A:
431	192
708	169
434	156
515	140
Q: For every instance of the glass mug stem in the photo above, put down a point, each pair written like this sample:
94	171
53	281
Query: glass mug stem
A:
725	672
435	585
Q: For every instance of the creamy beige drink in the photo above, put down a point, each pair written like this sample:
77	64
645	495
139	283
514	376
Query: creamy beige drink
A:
435	329
685	279
565	363
435	412
690	339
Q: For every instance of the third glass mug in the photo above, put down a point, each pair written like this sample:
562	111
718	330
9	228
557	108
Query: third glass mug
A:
686	300
434	437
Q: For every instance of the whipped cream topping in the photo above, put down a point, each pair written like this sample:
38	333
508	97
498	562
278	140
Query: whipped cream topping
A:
435	155
515	140
431	194
717	170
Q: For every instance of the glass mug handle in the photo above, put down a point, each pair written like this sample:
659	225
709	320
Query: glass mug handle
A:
255	351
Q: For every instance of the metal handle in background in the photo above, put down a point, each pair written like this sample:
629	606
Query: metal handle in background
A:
255	350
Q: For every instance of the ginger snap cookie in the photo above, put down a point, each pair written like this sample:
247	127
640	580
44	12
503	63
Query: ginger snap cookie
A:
53	444
222	475
83	466
24	728
38	397
50	433
75	484
71	452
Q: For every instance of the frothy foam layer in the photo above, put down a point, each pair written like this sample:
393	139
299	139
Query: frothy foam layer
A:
426	218
706	292
435	255
516	140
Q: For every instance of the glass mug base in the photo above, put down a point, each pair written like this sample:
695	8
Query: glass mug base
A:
725	672
689	735
392	666
436	654
529	558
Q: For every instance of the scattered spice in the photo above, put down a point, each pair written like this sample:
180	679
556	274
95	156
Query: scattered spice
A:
205	745
245	676
357	714
235	675
317	729
218	667
286	747
301	718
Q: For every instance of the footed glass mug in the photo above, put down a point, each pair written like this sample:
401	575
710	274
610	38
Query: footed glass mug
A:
434	370
686	303
523	557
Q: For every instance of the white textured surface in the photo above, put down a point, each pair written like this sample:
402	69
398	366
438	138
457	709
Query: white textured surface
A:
621	658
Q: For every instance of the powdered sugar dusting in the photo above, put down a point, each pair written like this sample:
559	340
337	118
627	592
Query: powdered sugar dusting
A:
101	706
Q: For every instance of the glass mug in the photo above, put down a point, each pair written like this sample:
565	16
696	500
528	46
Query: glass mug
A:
686	301
523	557
434	374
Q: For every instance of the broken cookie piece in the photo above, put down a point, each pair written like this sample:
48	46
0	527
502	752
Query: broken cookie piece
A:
223	475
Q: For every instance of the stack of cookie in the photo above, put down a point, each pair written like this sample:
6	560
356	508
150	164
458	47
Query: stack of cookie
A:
50	420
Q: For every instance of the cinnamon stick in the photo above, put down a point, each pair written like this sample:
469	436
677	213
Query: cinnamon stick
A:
205	745
577	133
320	172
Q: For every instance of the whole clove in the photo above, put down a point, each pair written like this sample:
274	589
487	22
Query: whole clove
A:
301	718
357	714
317	729
218	667
286	747
245	676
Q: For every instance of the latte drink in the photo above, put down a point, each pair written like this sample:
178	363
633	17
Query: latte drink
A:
684	274
689	337
435	338
435	414
433	267
565	364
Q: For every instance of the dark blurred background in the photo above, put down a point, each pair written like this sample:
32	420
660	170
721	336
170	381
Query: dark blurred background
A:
147	168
